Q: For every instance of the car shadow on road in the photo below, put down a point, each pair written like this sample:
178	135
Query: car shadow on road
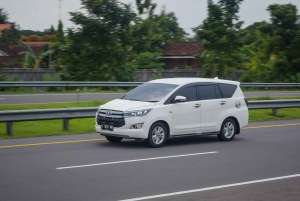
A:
182	141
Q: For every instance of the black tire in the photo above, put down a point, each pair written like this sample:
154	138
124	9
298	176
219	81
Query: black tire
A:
161	140
114	139
228	130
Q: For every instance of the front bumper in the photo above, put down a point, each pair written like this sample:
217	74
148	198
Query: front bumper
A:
125	131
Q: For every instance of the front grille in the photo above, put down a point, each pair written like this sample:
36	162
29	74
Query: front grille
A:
111	117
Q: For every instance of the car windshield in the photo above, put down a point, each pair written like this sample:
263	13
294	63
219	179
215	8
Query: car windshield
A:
150	92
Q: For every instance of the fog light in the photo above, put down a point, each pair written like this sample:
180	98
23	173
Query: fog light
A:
137	126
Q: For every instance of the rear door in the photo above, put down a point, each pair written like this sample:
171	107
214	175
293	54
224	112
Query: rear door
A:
186	115
213	107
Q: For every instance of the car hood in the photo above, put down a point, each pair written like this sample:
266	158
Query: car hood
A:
127	105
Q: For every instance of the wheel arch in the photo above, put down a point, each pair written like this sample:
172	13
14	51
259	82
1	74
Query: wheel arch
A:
165	124
238	128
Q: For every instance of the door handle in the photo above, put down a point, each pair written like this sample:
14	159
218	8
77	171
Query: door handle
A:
222	102
197	105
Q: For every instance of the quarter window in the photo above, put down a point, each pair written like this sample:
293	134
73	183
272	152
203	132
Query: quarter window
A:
227	89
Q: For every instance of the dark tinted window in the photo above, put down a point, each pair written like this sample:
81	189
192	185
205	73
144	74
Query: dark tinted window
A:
189	92
207	92
218	93
150	92
227	90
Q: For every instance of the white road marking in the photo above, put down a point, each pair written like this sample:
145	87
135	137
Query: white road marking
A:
136	160
2	98
213	188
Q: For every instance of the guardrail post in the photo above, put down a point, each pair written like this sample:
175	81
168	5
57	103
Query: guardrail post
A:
9	128
66	124
274	111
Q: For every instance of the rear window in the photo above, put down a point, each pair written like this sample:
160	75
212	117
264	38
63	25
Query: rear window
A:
227	90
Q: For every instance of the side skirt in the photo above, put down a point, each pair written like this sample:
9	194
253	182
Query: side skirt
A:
194	134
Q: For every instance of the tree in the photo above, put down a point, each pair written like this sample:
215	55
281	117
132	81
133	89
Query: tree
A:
60	33
147	60
50	31
98	49
10	36
145	6
30	59
219	36
150	35
284	47
274	56
3	16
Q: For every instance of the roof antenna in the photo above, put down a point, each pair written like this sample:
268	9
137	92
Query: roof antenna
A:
216	78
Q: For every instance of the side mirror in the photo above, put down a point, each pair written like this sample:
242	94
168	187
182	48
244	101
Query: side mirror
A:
179	99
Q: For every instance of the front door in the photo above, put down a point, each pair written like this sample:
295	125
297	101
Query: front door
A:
186	115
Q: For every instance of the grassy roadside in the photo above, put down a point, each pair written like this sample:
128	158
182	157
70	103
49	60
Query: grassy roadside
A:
94	103
274	98
55	127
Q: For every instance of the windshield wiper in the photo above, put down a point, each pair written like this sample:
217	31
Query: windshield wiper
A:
152	101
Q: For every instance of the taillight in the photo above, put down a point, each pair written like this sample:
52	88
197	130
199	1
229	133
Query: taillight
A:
246	101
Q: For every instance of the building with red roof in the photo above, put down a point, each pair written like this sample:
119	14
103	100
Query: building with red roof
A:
181	55
4	26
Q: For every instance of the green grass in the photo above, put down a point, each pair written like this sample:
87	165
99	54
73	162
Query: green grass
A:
49	127
55	127
260	89
266	114
274	98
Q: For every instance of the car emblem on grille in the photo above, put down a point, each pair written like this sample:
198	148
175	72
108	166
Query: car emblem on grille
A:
108	112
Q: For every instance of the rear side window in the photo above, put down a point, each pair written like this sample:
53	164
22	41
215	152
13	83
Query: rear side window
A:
207	92
189	92
227	90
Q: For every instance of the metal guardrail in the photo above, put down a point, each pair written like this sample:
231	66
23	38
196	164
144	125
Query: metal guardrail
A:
271	85
126	84
11	116
70	84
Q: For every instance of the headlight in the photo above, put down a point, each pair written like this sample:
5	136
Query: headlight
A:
98	110
137	113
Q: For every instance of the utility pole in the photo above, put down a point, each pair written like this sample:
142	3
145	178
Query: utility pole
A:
59	10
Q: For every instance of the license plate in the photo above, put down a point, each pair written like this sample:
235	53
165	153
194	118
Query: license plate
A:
107	127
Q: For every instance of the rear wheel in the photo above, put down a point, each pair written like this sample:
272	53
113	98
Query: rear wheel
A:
157	135
228	130
114	139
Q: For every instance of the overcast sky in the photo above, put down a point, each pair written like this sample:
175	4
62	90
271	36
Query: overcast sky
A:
41	14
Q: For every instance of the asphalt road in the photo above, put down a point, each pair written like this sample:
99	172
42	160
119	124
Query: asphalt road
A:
47	98
95	169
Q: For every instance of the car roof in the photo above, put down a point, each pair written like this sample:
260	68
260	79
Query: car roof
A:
183	81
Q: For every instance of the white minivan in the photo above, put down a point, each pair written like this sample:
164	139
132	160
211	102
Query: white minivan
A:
175	107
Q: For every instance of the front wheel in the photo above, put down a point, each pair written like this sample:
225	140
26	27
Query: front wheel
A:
114	139
228	130
157	135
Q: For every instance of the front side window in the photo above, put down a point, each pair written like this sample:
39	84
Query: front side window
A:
189	93
150	92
